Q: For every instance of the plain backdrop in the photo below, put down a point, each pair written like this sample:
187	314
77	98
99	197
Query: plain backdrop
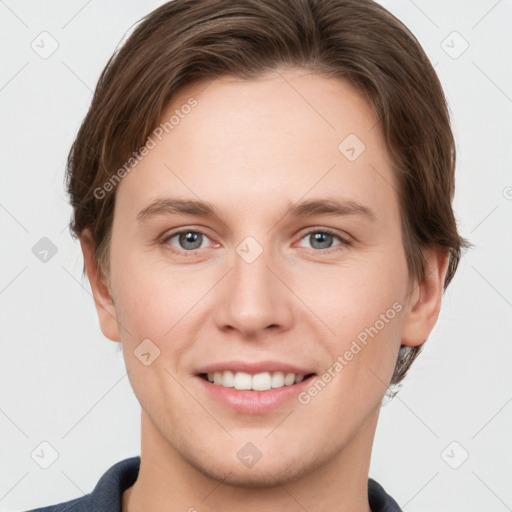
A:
443	443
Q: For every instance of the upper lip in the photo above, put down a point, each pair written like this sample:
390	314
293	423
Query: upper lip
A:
254	367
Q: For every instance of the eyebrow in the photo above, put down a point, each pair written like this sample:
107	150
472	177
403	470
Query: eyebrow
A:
329	206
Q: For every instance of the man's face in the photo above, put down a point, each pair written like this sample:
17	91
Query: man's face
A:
259	289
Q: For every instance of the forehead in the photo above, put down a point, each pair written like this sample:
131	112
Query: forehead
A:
273	116
289	132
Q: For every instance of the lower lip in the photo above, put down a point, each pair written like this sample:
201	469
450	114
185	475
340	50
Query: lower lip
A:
253	402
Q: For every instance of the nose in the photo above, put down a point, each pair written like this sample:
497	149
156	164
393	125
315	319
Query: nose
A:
254	298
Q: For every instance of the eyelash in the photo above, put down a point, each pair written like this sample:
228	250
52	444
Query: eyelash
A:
193	252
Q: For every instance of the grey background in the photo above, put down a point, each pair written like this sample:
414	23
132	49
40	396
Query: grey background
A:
62	382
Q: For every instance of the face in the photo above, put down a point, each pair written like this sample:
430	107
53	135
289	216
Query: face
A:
290	274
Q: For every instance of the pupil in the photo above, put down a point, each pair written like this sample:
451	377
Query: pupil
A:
323	239
190	238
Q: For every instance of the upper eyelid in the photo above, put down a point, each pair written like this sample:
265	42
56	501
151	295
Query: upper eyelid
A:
179	231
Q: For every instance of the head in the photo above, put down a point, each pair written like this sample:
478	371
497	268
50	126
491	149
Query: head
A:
253	108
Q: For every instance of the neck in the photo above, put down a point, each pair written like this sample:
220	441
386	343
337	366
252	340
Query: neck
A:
339	483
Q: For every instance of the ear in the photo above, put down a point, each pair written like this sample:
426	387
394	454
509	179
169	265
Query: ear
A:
100	289
425	299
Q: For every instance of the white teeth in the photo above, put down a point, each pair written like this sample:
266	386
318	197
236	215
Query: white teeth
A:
228	379
261	381
258	382
242	380
277	379
289	379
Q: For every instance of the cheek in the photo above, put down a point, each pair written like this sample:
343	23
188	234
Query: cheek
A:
353	297
364	307
157	301
366	316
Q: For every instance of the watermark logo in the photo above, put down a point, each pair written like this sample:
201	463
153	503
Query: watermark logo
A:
351	147
44	250
454	45
249	454
45	45
44	455
455	455
249	249
146	352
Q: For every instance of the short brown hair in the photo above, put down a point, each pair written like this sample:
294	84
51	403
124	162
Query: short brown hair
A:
359	41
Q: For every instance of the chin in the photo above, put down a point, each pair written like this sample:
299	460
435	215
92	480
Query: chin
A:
277	465
261	475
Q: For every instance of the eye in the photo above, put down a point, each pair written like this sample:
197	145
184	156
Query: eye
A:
323	239
188	240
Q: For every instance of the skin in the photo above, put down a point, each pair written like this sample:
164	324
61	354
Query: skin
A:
248	148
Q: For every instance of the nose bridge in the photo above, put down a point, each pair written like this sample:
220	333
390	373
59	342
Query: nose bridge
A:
254	298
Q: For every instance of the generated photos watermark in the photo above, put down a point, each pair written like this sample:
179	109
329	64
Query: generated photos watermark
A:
344	359
151	143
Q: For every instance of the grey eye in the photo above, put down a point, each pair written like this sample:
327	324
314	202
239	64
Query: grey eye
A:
189	240
319	239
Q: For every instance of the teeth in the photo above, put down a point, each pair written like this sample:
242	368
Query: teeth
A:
242	380
258	382
261	381
277	379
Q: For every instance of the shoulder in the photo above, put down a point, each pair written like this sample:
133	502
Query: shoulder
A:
82	504
106	495
379	499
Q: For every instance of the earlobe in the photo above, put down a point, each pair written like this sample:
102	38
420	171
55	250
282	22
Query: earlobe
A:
425	299
105	307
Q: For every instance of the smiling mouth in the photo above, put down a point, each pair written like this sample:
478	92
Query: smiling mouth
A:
263	381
